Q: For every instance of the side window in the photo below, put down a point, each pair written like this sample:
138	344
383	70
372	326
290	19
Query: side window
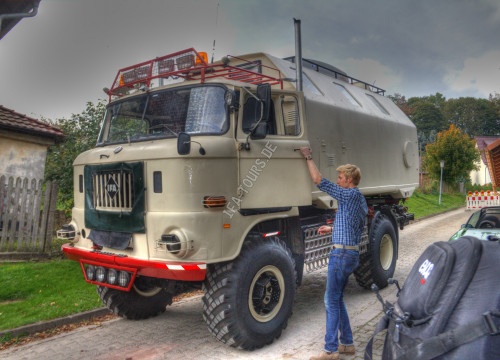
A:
473	219
290	111
251	114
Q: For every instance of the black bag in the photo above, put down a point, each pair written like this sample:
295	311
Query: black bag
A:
448	307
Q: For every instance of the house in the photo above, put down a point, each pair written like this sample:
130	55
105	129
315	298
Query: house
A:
493	159
23	144
483	175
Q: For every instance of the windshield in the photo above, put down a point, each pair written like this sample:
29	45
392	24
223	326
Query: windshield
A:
195	110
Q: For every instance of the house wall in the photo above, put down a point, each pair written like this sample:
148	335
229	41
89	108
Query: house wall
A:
22	155
480	177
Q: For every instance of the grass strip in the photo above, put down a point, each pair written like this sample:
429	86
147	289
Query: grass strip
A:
32	292
422	204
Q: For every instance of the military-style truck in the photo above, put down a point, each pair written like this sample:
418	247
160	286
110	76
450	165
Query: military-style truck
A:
196	181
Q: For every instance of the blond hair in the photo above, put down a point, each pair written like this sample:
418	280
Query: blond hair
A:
350	172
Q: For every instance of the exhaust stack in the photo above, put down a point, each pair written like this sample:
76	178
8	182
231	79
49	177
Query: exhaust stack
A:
298	53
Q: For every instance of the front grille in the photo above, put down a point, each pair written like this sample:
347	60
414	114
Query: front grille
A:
113	190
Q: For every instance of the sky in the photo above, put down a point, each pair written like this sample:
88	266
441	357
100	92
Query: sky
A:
51	65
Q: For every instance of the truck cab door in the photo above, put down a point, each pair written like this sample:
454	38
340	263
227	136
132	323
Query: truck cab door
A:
272	172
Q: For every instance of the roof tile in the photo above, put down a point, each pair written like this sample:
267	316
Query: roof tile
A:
12	120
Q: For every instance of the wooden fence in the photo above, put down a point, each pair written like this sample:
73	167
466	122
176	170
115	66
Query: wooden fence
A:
26	216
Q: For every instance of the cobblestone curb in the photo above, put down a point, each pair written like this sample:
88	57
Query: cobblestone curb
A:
46	325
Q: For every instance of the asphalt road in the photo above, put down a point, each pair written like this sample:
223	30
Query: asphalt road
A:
181	333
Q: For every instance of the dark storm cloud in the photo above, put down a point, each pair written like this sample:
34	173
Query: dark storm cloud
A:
419	40
52	64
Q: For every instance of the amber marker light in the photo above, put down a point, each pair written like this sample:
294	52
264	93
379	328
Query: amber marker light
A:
226	226
204	59
214	201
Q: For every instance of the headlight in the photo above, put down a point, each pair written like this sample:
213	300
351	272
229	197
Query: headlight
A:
112	276
100	274
90	271
123	278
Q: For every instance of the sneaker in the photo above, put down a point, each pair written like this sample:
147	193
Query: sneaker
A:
347	349
326	356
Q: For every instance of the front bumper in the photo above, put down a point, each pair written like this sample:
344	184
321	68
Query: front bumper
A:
172	270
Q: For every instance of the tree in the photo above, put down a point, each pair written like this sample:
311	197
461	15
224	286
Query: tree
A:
400	101
81	132
427	118
438	100
473	116
495	102
457	150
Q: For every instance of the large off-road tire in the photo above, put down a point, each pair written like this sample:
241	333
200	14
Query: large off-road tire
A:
248	301
141	302
377	265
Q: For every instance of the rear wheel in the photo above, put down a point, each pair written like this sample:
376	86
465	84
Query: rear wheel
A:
377	265
144	300
248	301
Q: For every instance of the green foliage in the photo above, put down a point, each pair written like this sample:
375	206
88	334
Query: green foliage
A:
402	103
479	188
430	187
495	102
428	118
437	100
33	292
473	116
434	113
81	132
458	152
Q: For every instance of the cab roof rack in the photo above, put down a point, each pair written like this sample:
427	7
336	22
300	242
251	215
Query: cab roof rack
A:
189	65
336	73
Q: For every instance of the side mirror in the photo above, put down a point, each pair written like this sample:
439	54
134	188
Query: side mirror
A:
264	95
183	144
259	132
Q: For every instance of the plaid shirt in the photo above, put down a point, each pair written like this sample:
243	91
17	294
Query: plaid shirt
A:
351	213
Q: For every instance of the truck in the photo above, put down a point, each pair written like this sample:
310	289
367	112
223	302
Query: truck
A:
197	181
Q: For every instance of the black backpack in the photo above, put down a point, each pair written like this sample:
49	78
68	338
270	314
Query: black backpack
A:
448	307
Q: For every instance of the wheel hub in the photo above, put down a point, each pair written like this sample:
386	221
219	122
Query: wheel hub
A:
145	288
266	294
386	252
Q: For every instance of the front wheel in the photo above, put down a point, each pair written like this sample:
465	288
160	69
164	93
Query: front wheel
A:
377	265
248	301
144	300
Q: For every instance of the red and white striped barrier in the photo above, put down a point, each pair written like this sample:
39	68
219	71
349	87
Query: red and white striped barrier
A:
481	199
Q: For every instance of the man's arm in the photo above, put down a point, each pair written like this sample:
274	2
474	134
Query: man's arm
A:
313	170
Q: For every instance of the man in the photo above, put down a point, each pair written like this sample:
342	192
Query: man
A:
344	256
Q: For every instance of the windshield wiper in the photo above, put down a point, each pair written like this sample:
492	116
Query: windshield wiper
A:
166	127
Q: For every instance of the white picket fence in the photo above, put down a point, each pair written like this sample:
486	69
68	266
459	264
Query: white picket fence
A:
478	200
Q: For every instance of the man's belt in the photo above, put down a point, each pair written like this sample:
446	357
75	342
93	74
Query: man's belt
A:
346	247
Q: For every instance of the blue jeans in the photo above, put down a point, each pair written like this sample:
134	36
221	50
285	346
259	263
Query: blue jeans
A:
342	263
